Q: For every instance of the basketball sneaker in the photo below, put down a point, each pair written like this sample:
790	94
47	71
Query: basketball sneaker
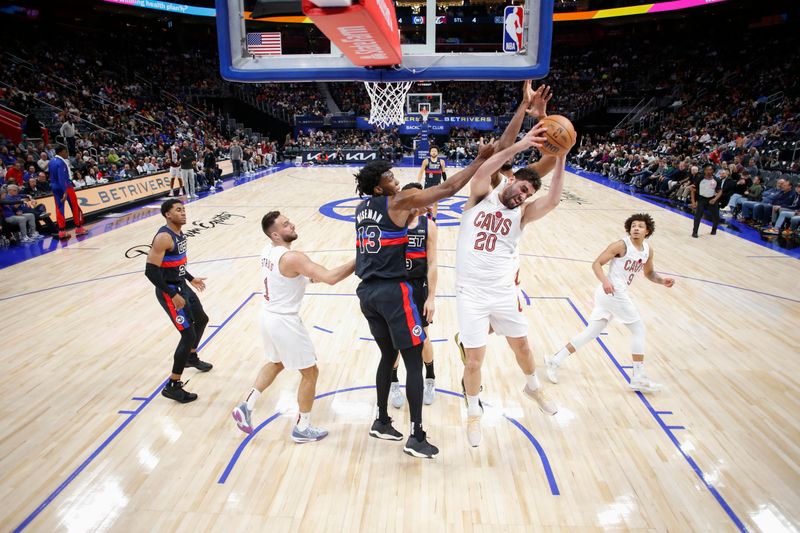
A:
429	393
386	431
195	362
81	231
474	428
64	235
420	448
545	404
642	383
310	434
241	414
396	395
174	391
551	368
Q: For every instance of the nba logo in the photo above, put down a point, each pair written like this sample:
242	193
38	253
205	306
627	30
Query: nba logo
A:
512	29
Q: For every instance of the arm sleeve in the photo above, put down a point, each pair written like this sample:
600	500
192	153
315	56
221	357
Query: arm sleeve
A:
156	277
188	277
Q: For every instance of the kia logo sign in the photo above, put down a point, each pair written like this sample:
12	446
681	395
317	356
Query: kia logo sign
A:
347	155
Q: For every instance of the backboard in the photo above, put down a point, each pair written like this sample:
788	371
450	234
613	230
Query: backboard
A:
491	40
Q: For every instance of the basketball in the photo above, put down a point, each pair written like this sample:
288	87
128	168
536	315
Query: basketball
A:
560	135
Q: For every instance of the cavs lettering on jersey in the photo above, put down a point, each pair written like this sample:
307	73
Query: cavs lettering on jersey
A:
488	238
380	243
174	262
417	250
622	270
282	295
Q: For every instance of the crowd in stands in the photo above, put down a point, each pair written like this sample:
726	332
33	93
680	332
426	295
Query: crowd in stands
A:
712	103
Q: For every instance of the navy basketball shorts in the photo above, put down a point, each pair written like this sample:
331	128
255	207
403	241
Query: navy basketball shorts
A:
420	288
184	317
391	310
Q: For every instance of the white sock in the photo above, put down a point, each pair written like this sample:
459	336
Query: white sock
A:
303	421
251	398
533	381
562	354
473	405
638	368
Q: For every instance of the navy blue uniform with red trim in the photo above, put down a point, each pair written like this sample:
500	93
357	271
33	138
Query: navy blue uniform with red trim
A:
417	263
174	271
433	172
386	296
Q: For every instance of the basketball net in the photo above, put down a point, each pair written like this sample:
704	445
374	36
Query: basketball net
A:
387	102
424	112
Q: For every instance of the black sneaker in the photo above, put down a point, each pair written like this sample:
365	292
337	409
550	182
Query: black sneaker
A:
379	430
195	362
174	391
422	449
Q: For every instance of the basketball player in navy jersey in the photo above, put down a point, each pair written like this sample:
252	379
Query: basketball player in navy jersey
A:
166	269
422	267
386	297
435	172
626	258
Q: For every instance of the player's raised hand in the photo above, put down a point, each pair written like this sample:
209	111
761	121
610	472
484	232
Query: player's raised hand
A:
534	138
527	94
485	150
539	99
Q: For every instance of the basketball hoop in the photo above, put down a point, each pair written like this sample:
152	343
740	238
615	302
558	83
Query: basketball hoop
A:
387	102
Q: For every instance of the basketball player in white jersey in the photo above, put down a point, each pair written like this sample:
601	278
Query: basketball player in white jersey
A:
174	160
625	258
487	261
286	342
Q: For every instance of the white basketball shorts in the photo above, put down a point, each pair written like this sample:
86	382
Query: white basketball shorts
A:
286	341
619	306
174	172
478	307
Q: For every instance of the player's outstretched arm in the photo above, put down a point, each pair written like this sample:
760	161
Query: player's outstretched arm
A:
411	198
482	182
541	206
512	130
298	263
615	249
433	270
651	274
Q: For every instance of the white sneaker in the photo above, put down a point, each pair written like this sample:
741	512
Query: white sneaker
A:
25	240
642	383
551	368
429	393
396	395
474	430
36	236
545	404
310	434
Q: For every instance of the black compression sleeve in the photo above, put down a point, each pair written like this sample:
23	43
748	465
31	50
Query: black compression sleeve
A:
156	277
188	277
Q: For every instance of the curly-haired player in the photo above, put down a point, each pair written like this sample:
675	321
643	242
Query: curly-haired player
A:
626	258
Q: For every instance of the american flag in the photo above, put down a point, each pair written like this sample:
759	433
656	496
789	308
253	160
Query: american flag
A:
264	43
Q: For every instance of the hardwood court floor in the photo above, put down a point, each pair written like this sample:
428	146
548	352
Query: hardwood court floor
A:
88	444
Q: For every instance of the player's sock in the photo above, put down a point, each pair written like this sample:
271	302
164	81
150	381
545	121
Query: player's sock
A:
562	354
473	405
638	368
303	421
429	373
533	381
394	374
251	398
